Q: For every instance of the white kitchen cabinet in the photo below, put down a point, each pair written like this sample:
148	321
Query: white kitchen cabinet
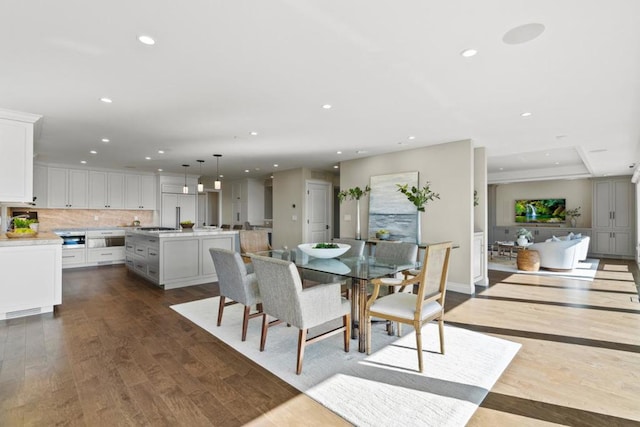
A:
612	242
68	188
16	156
40	186
106	190
140	192
186	203
31	279
247	198
613	219
74	257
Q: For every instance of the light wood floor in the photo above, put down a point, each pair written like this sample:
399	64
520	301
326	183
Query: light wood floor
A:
114	353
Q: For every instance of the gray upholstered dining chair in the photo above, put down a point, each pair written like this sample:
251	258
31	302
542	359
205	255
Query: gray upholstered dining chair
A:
416	309
399	253
284	299
237	284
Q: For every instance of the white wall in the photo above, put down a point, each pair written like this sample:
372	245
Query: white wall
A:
450	170
288	189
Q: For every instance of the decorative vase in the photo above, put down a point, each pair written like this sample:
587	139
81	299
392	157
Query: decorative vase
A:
573	222
522	241
382	236
358	235
419	228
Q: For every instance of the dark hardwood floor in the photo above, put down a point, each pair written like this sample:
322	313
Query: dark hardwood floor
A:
114	353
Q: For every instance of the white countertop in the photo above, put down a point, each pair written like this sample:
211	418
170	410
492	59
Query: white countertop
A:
196	232
43	238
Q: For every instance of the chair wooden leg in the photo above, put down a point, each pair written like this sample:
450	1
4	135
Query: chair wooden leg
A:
441	330
245	322
302	340
346	322
263	336
418	328
220	310
368	326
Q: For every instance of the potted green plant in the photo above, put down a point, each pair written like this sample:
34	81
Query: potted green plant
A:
382	234
572	214
355	193
523	237
21	228
419	197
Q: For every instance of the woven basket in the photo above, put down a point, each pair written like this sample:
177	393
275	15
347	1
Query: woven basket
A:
528	260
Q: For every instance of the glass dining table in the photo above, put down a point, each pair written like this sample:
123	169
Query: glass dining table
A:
361	270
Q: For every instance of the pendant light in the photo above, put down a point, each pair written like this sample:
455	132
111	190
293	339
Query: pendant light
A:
200	184
185	189
217	184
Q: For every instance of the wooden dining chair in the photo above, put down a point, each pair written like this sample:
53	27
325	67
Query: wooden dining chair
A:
252	241
415	309
284	298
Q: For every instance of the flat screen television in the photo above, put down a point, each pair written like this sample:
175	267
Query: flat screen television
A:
540	211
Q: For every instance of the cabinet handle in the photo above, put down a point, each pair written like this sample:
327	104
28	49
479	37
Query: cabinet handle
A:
153	253
139	250
614	215
68	256
108	253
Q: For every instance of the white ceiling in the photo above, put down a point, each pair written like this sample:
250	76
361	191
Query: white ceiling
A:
222	69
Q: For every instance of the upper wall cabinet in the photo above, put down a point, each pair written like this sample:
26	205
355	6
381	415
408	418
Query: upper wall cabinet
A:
612	203
140	192
106	190
16	156
40	186
68	188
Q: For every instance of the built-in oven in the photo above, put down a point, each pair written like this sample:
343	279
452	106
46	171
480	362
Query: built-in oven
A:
73	239
105	238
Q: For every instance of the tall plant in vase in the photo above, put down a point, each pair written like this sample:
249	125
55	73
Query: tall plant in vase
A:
355	193
419	197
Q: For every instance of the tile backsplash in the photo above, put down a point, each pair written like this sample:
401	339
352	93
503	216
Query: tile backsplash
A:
51	219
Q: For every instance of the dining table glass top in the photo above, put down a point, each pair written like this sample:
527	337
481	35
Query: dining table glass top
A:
365	267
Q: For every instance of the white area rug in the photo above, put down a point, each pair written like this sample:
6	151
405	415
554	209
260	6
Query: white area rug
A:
586	269
384	388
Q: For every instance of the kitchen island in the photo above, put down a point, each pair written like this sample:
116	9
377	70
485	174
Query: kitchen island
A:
31	271
174	259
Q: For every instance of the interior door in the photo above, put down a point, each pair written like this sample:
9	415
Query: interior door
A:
318	209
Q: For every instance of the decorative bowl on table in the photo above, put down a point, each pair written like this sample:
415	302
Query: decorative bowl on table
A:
21	234
318	251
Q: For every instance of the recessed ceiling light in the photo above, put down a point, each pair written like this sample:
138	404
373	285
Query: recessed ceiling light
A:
257	169
561	136
146	40
84	162
556	163
271	177
501	169
106	100
468	53
105	139
402	143
254	133
547	154
327	106
160	151
361	151
523	34
412	137
527	114
338	152
246	170
147	158
599	150
336	166
93	152
275	165
159	170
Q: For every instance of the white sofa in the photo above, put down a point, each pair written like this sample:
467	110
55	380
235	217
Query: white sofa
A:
563	253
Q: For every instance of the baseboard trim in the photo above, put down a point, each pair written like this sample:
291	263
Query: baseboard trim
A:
463	288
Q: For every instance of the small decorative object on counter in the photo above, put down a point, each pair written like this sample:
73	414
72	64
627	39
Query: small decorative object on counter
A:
186	225
22	228
572	214
382	234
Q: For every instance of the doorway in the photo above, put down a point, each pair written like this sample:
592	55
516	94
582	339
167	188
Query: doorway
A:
318	211
209	208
